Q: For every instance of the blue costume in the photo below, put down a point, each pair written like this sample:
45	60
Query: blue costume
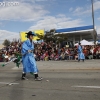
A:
28	60
80	53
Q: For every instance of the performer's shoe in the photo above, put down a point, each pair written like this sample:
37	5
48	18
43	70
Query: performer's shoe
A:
24	78
38	79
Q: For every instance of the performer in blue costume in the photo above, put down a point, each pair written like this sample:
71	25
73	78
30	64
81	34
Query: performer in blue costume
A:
80	53
28	60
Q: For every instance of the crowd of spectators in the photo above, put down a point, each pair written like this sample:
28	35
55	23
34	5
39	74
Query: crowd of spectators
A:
47	51
8	51
52	51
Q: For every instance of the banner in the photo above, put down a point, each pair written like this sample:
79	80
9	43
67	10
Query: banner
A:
23	35
39	32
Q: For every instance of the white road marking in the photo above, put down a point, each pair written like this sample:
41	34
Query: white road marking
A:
95	87
8	83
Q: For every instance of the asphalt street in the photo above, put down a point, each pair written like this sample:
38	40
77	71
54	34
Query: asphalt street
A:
62	80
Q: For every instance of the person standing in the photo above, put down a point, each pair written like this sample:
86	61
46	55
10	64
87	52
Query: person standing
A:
28	60
80	53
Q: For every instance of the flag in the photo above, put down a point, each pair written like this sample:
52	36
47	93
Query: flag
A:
39	32
23	35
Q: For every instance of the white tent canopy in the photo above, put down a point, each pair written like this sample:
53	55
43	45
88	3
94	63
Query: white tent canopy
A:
85	42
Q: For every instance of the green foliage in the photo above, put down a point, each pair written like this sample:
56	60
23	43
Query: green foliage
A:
6	42
50	36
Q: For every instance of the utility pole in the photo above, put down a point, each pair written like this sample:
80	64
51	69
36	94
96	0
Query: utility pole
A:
93	14
95	36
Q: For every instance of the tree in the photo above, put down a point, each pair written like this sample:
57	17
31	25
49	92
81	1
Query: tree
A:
6	42
48	36
57	38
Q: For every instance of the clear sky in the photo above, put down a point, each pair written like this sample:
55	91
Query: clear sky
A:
24	15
